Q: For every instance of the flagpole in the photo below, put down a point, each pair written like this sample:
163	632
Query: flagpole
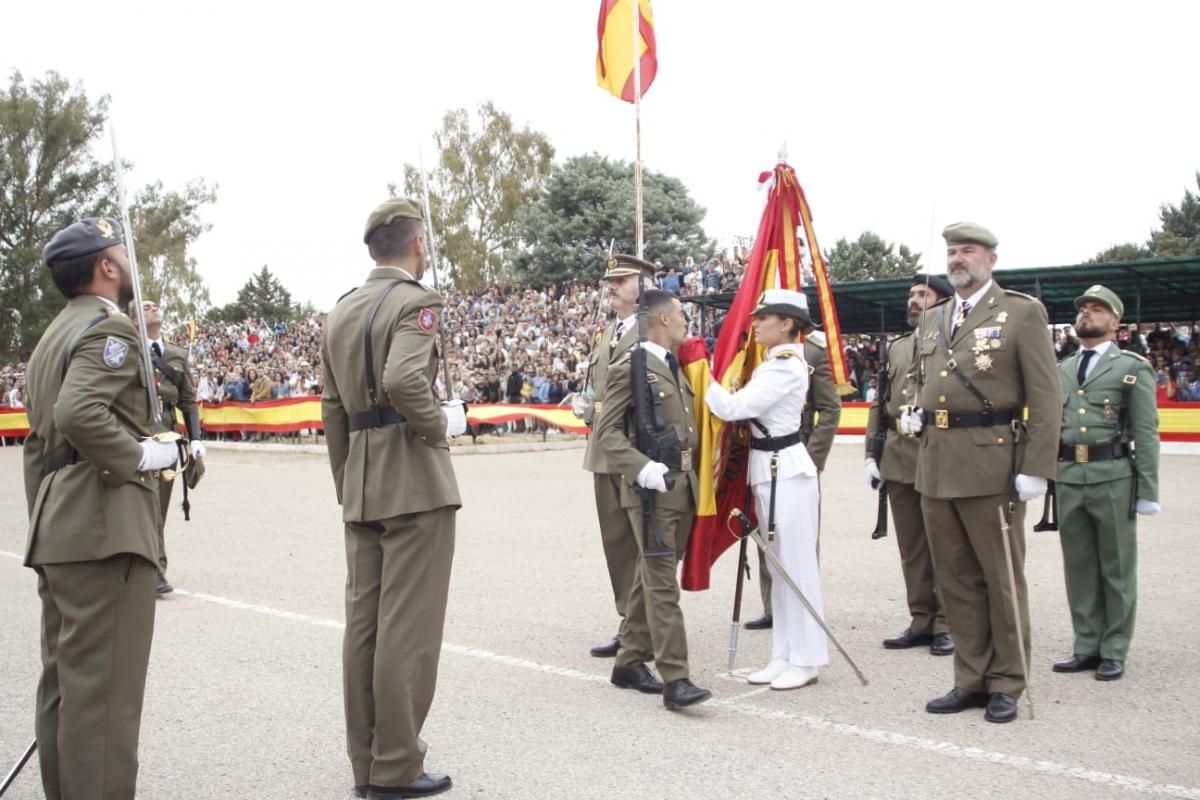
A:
636	13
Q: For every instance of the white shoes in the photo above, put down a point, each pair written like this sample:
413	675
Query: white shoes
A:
772	671
794	677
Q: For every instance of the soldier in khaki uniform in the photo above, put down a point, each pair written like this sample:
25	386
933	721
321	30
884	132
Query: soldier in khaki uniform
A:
653	619
985	363
818	426
898	470
176	390
387	438
1107	475
620	552
91	481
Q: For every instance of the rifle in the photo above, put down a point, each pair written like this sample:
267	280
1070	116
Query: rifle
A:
1049	520
650	434
876	444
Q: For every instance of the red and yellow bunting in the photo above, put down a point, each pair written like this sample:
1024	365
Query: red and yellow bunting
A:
614	56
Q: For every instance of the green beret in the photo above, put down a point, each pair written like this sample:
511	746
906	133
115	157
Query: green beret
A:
89	235
937	283
969	233
389	210
620	265
1104	296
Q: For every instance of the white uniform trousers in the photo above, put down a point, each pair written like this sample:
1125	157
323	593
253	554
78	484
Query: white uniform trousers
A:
795	635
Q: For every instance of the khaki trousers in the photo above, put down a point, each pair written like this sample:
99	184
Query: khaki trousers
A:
97	625
653	620
916	560
616	534
397	579
972	576
164	502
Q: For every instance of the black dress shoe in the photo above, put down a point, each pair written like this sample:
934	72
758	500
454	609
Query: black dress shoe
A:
1001	707
424	786
763	623
360	791
908	639
956	700
681	693
608	649
163	586
636	677
942	645
1077	663
1109	670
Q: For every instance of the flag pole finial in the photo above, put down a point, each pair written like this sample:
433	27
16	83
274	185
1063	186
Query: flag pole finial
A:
783	153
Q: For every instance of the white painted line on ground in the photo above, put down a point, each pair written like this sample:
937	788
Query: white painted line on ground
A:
12	555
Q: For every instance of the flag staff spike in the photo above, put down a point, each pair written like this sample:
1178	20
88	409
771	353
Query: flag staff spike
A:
635	14
783	152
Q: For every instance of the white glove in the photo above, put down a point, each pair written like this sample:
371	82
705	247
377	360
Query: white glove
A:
1030	487
653	476
581	405
198	450
456	418
873	479
912	421
157	455
1148	508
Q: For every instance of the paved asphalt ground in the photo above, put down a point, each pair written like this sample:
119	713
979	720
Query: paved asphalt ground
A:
244	697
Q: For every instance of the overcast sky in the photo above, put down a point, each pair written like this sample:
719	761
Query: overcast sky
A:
1062	126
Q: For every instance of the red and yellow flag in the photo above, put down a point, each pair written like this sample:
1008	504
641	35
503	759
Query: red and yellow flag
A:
614	58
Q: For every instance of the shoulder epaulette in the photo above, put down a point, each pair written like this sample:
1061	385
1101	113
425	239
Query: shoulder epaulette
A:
347	294
1132	354
115	312
784	354
817	338
898	337
1022	295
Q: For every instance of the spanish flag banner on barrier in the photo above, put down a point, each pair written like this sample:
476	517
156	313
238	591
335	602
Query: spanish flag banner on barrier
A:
614	57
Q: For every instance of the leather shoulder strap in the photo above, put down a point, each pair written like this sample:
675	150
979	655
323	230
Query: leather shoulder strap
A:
368	350
74	342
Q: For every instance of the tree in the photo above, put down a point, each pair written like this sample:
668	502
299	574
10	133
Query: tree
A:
483	178
870	258
1130	251
1178	235
262	298
589	203
48	179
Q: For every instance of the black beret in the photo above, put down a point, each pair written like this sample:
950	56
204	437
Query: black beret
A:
936	282
90	235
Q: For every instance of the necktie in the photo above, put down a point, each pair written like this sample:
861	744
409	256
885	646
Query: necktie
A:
620	331
1084	359
963	310
156	349
673	363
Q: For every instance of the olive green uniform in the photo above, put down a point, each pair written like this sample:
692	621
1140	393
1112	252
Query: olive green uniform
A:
173	395
965	472
1096	496
818	426
93	540
899	472
653	620
616	534
396	485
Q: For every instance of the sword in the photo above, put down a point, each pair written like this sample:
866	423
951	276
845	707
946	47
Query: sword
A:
1006	529
752	532
735	625
12	776
433	262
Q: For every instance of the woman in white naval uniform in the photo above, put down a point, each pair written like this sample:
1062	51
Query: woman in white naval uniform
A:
773	400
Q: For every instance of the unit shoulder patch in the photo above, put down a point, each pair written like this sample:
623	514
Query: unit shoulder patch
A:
115	352
427	319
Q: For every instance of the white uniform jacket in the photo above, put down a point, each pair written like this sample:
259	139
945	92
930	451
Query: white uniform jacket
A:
775	397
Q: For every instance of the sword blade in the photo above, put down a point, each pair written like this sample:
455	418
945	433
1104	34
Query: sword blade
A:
12	776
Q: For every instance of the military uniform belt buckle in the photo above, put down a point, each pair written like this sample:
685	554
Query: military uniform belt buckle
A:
941	418
685	460
1081	454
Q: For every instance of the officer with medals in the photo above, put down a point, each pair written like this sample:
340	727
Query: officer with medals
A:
653	619
616	535
784	480
988	412
91	481
387	437
898	469
176	390
1107	476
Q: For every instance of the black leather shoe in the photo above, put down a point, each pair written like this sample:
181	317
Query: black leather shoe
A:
637	677
956	700
1077	663
424	786
608	649
1001	707
942	645
360	791
163	586
1109	670
682	693
908	639
763	623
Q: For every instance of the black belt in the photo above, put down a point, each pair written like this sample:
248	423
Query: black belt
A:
969	419
375	418
775	443
61	457
1084	454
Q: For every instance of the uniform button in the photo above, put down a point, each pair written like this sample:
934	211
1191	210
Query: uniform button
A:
1080	392
941	398
691	429
1083	430
105	472
1083	411
1000	440
943	373
662	394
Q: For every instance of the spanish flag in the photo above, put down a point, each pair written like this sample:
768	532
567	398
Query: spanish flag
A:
614	59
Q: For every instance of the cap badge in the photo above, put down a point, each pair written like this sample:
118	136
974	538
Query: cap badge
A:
105	229
612	262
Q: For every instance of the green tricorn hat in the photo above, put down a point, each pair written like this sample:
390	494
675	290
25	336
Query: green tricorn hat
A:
619	265
1104	296
389	210
969	233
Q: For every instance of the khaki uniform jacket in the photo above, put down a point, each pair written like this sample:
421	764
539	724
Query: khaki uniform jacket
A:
395	469
182	397
822	399
899	452
101	506
1091	414
603	354
615	427
1004	347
